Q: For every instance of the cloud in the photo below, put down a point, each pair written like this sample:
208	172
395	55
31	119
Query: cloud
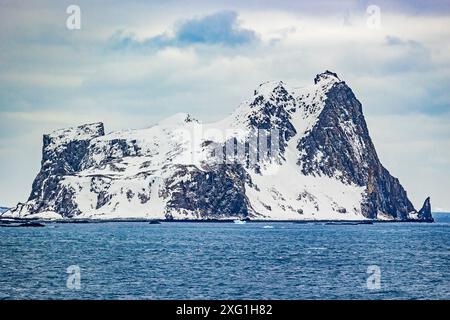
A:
221	28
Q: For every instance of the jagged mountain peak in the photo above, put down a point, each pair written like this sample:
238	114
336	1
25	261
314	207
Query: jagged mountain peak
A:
327	76
78	131
325	166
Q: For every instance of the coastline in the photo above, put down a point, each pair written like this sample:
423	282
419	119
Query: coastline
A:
306	221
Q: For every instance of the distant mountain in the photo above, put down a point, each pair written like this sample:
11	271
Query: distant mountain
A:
284	154
3	209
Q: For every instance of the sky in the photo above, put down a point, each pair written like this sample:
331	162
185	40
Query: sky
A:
133	63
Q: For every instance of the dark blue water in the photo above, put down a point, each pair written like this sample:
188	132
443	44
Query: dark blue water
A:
226	261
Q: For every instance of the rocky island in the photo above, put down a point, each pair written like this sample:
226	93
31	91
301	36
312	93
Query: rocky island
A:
284	154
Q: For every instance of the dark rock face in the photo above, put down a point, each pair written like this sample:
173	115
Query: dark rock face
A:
218	192
269	128
340	144
425	212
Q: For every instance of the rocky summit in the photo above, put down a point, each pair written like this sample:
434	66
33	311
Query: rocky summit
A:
284	154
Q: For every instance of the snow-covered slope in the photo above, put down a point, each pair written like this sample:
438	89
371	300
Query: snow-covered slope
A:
284	154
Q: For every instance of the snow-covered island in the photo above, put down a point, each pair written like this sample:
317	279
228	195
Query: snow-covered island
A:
284	154
3	209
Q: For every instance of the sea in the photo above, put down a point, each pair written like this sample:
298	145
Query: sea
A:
206	260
